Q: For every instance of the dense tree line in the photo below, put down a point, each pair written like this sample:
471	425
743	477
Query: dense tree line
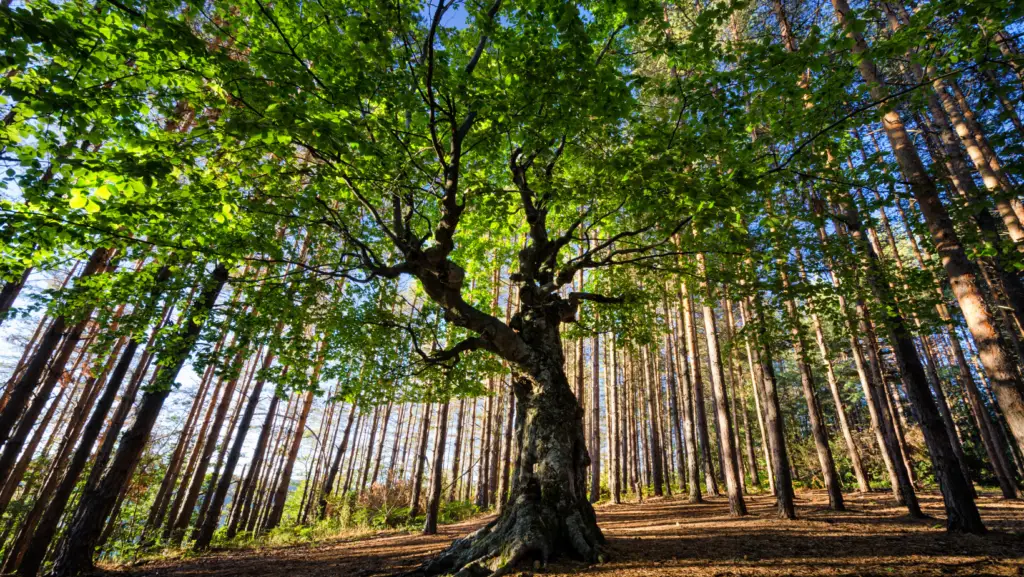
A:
282	266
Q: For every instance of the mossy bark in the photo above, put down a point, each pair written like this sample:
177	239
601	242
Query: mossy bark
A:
548	513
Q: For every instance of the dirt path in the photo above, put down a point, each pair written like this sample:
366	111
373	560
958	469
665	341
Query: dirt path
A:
670	537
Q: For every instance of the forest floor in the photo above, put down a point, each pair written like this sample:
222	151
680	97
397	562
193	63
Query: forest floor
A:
663	537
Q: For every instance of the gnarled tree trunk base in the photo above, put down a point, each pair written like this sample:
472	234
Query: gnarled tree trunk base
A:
527	532
548	513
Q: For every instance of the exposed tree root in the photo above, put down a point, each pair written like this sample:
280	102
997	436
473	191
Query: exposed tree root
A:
527	532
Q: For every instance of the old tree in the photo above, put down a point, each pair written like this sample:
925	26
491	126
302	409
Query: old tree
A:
391	206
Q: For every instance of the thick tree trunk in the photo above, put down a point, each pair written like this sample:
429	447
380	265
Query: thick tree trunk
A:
548	512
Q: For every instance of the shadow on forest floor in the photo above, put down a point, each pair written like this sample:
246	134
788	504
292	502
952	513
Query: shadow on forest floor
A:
671	537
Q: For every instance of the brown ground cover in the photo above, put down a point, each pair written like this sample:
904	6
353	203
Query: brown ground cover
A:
663	537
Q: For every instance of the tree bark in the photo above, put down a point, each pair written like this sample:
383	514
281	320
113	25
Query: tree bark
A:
961	512
820	436
697	395
75	557
10	292
46	528
436	477
212	519
548	509
420	460
686	357
773	420
32	381
725	436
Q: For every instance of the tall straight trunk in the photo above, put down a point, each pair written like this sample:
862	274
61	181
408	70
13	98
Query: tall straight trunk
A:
773	419
483	483
216	503
595	422
673	399
992	437
497	420
725	436
369	450
400	432
194	460
420	459
818	433
611	394
75	556
236	413
962	514
468	485
46	529
757	386
180	525
42	373
878	400
256	463
124	405
163	496
281	491
748	438
457	452
863	482
17	473
942	404
12	446
858	322
380	446
37	527
657	474
268	486
686	356
697	394
332	474
436	477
